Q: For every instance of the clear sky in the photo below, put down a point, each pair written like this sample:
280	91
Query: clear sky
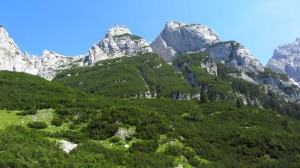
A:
70	27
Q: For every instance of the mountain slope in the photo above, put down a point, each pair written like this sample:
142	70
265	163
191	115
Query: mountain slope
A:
24	91
157	133
286	59
217	82
145	75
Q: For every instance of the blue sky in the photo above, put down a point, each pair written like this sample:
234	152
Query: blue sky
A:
70	27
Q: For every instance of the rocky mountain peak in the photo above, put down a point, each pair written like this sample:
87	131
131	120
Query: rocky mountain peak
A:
171	25
7	43
117	31
177	38
118	42
286	59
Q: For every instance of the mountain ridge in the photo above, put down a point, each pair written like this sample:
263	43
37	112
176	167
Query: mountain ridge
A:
118	42
175	39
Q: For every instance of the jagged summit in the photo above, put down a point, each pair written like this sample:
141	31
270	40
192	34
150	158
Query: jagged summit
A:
118	42
11	57
177	38
6	42
117	31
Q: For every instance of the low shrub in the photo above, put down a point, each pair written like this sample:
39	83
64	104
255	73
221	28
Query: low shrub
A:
37	125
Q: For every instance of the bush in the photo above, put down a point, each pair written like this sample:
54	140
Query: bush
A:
57	121
174	150
27	112
188	153
101	129
114	139
144	146
37	125
194	162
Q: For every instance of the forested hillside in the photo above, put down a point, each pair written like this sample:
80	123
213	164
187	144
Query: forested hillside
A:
233	122
23	91
146	75
156	133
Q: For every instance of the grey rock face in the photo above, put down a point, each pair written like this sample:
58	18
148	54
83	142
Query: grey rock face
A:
286	59
235	55
118	42
11	57
178	38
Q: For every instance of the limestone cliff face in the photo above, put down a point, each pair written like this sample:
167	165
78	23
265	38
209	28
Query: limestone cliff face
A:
286	59
118	42
235	55
178	38
11	57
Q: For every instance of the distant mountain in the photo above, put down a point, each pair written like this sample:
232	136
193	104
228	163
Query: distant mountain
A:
175	39
286	59
178	38
118	42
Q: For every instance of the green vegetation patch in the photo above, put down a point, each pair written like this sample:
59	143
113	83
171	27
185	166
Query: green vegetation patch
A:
132	37
127	77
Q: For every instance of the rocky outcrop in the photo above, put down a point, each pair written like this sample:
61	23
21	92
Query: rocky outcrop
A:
178	38
50	63
11	58
234	55
286	59
66	146
118	42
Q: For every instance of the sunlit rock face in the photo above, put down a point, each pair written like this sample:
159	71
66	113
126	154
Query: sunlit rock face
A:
286	59
178	38
118	42
235	55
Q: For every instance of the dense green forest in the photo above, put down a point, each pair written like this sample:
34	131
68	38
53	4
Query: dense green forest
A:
100	109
